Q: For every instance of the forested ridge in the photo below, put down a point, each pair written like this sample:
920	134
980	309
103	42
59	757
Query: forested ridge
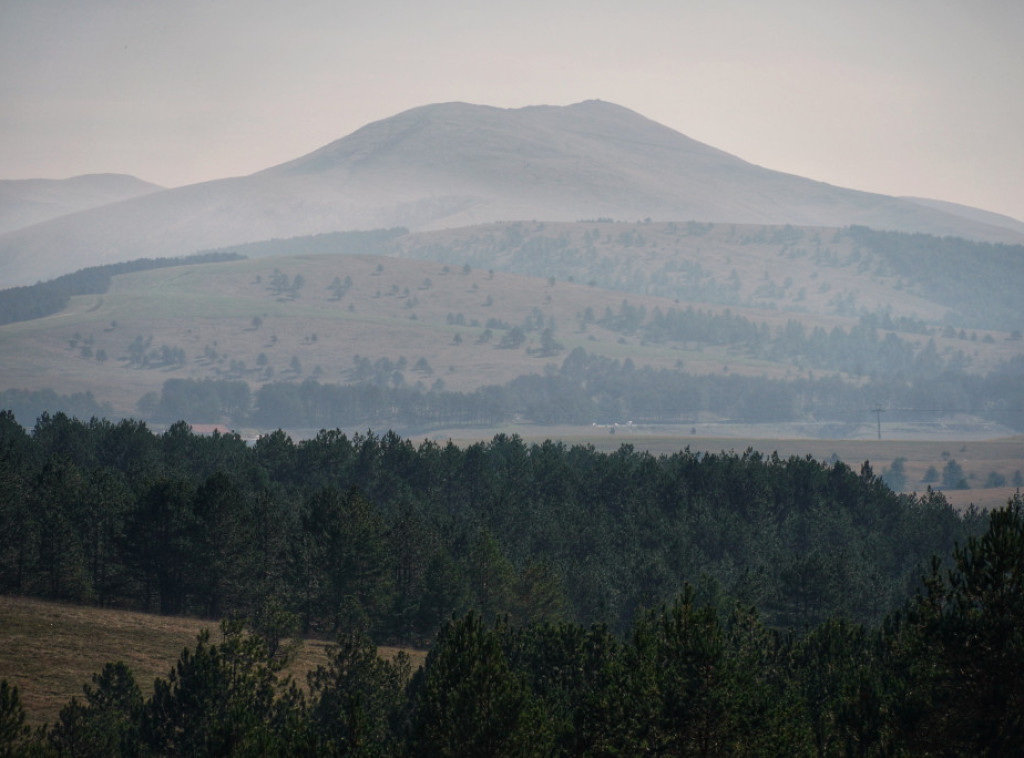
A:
575	602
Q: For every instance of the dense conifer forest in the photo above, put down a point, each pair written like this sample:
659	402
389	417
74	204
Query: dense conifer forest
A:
574	602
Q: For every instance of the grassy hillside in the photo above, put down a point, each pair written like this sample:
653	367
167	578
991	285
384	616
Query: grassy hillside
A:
763	302
50	650
225	316
230	321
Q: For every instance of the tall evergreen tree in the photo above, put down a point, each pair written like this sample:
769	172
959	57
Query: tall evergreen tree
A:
107	721
467	700
356	699
965	638
13	731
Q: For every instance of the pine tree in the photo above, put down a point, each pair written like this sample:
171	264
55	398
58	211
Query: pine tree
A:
469	701
13	732
219	700
356	699
107	722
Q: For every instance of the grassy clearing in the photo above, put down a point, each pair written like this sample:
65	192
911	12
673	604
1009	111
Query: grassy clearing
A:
50	650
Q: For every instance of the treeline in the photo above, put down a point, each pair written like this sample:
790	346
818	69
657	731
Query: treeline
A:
943	675
588	388
585	389
380	534
46	298
31	404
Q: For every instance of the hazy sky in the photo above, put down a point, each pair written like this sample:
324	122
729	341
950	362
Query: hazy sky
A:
904	97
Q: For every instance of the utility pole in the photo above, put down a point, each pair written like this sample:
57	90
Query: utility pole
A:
878	415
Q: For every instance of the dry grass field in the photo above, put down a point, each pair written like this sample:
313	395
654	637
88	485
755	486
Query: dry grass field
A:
49	650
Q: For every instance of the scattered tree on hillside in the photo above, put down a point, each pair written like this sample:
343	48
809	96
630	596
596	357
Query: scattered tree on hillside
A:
895	476
953	476
512	339
995	479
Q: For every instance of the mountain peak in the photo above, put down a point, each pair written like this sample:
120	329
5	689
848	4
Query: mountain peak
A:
456	135
458	164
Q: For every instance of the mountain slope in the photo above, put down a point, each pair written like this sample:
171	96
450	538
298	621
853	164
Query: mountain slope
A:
24	202
454	164
975	214
597	159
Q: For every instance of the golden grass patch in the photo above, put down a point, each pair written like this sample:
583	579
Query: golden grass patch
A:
50	650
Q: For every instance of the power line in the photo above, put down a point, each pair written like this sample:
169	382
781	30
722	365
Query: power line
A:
948	410
878	411
878	414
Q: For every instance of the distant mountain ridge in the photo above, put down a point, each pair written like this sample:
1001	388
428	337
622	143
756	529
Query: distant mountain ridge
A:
455	164
24	202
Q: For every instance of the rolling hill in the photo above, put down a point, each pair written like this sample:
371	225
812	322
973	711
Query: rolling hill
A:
455	164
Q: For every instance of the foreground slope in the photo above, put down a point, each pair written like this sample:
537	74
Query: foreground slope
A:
455	164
